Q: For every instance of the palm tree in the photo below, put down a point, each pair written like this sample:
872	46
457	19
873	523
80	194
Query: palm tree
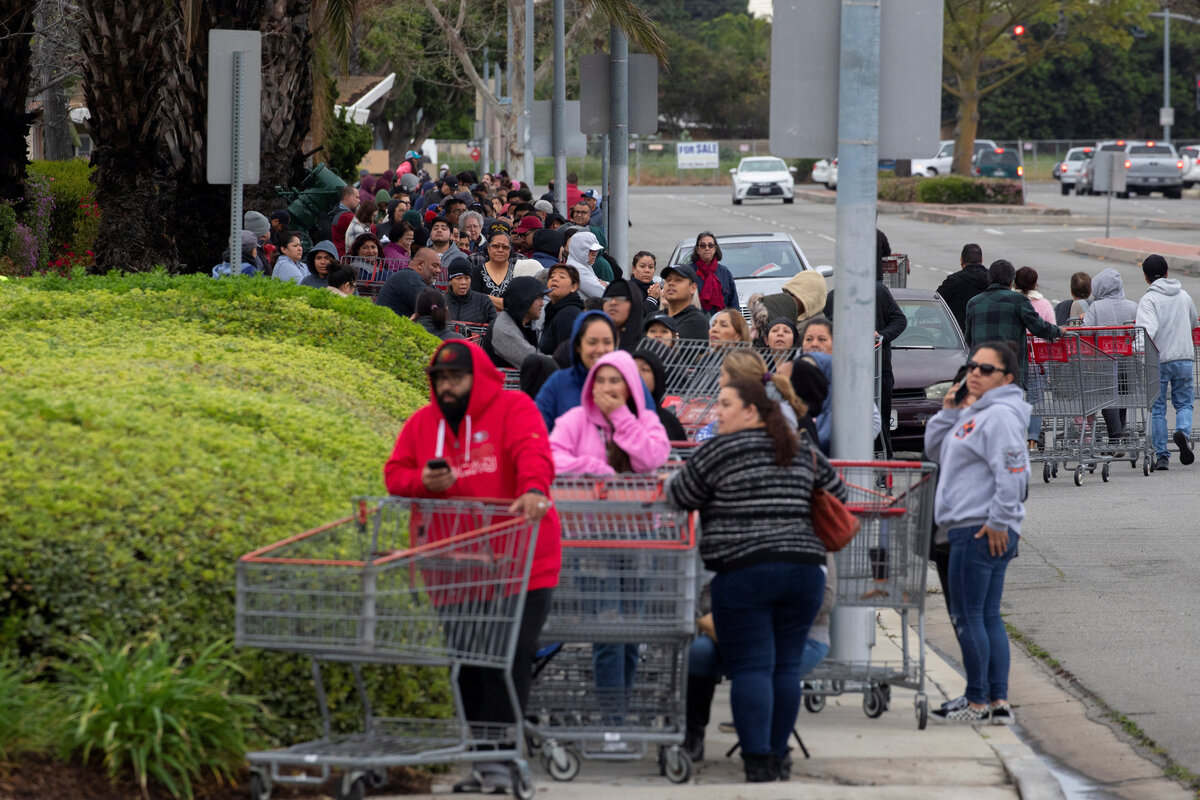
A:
16	33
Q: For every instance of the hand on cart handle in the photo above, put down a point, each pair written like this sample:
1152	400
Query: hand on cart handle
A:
997	540
533	505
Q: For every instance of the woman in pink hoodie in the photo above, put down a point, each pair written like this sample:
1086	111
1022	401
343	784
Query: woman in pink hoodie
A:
611	431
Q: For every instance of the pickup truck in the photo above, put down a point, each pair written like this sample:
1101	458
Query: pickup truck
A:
1153	167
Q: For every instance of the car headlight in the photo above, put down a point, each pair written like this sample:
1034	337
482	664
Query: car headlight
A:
937	391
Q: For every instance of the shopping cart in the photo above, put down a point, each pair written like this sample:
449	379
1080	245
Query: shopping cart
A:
372	273
512	378
437	583
629	575
471	330
1069	381
884	566
895	271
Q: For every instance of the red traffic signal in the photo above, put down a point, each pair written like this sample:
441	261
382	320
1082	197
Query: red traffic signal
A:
1018	30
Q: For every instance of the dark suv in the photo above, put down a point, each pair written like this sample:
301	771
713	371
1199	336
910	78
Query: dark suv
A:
998	163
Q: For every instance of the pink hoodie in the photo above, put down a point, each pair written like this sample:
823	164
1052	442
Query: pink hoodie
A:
580	437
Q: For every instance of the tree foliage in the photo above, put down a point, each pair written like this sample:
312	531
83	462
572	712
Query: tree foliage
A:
729	57
346	142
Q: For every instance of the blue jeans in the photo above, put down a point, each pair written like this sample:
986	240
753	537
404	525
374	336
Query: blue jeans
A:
762	615
615	668
1179	375
704	657
976	586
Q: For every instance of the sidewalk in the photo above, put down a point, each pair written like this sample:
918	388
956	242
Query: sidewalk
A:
853	756
1133	250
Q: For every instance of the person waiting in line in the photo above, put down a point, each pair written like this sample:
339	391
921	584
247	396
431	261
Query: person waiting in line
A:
727	327
662	328
1110	308
749	365
464	303
817	343
780	341
290	264
714	281
678	294
494	273
398	247
431	314
642	274
654	375
564	305
623	304
342	281
583	248
1025	282
320	260
753	486
978	442
611	431
510	339
249	258
1071	310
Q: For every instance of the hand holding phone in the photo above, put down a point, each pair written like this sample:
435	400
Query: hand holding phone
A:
437	475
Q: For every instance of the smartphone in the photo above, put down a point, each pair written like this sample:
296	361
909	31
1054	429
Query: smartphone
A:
961	379
437	463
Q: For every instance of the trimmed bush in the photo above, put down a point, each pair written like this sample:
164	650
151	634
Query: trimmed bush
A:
959	189
155	428
899	190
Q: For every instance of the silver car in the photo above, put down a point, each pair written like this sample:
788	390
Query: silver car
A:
760	262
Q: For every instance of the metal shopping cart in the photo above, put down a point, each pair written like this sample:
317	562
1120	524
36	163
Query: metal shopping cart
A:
884	566
1069	381
407	582
629	575
895	271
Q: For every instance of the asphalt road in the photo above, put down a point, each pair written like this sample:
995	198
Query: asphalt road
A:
1107	580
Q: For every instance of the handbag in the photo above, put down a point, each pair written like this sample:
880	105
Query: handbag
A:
833	523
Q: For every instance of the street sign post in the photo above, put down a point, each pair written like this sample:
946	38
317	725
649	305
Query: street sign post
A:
234	119
594	102
542	139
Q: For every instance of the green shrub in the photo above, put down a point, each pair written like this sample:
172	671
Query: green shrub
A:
958	189
24	725
172	718
899	190
76	217
153	429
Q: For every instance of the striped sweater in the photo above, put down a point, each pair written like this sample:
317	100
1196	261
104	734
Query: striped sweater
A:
751	510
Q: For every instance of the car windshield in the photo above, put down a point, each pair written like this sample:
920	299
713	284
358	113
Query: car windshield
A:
770	259
765	165
992	158
1150	149
1111	148
930	326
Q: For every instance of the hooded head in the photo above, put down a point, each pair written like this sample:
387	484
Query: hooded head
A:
624	363
580	245
782	321
249	244
324	246
577	331
486	381
658	368
548	242
631	331
519	297
810	288
811	374
1107	285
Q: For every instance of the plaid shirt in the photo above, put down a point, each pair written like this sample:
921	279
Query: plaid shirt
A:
1000	314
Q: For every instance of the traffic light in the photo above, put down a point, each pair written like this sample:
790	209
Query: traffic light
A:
1018	31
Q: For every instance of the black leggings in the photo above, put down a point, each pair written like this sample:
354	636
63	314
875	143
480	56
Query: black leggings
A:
485	698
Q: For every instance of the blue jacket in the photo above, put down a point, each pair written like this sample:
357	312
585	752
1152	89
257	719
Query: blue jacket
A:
563	390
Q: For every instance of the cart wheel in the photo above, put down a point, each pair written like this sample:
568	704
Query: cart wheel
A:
922	711
874	702
1079	475
561	763
352	786
1046	472
838	685
678	765
887	695
1147	468
260	786
1054	470
1133	462
377	778
1104	473
814	703
522	782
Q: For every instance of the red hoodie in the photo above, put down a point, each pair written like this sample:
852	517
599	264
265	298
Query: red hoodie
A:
502	451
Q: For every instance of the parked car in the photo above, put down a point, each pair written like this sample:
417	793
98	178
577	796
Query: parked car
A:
925	359
762	177
1153	167
760	262
831	178
998	163
1191	165
820	172
1067	170
940	164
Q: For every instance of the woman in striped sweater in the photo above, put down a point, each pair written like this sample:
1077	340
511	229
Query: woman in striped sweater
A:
752	485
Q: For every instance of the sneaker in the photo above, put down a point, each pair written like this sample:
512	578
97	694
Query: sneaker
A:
967	715
955	704
1186	456
1003	714
1161	464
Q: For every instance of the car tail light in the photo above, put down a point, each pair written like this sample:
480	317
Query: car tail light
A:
1020	171
1149	144
1127	163
1063	167
1178	165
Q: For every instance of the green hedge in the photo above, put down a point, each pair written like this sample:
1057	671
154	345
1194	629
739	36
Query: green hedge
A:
154	428
957	189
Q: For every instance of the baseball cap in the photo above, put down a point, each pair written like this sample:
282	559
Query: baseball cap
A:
590	193
451	181
459	265
452	355
682	270
665	319
528	223
282	215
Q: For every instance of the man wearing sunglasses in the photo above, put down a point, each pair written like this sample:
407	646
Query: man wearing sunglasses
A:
1001	315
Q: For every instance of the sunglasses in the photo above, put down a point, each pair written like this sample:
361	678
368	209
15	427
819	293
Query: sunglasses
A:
706	245
985	369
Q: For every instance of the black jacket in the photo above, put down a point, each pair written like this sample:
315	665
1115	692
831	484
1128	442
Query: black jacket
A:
472	307
958	289
560	316
692	322
890	321
399	292
649	305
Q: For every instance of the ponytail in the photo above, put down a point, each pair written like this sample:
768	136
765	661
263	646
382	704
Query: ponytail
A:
432	303
754	393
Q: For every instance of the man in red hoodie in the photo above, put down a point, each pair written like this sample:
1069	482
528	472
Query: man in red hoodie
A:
494	445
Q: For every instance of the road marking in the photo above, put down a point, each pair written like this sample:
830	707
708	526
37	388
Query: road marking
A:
823	236
993	231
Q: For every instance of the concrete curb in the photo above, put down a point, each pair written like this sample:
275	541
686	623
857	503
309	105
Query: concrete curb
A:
1124	255
1033	780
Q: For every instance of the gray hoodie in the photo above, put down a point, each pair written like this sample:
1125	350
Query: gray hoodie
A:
1109	307
1168	314
983	461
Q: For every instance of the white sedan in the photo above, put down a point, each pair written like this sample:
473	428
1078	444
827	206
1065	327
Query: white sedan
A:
762	178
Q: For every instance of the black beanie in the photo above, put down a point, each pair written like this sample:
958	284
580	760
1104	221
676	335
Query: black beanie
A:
1154	267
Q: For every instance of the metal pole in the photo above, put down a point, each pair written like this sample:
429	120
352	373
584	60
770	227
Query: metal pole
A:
235	183
486	131
501	148
852	629
617	198
527	112
508	62
604	177
559	109
1166	68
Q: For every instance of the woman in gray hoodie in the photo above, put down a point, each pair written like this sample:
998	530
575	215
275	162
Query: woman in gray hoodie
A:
1110	308
978	441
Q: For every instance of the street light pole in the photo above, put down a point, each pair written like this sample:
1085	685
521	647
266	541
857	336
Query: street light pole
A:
1166	69
558	109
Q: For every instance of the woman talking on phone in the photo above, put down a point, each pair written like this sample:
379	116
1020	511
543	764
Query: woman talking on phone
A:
978	440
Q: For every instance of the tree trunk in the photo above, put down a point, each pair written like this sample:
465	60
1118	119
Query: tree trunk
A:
14	88
56	123
968	125
513	121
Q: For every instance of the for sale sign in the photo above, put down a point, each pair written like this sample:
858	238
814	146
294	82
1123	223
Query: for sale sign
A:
697	155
